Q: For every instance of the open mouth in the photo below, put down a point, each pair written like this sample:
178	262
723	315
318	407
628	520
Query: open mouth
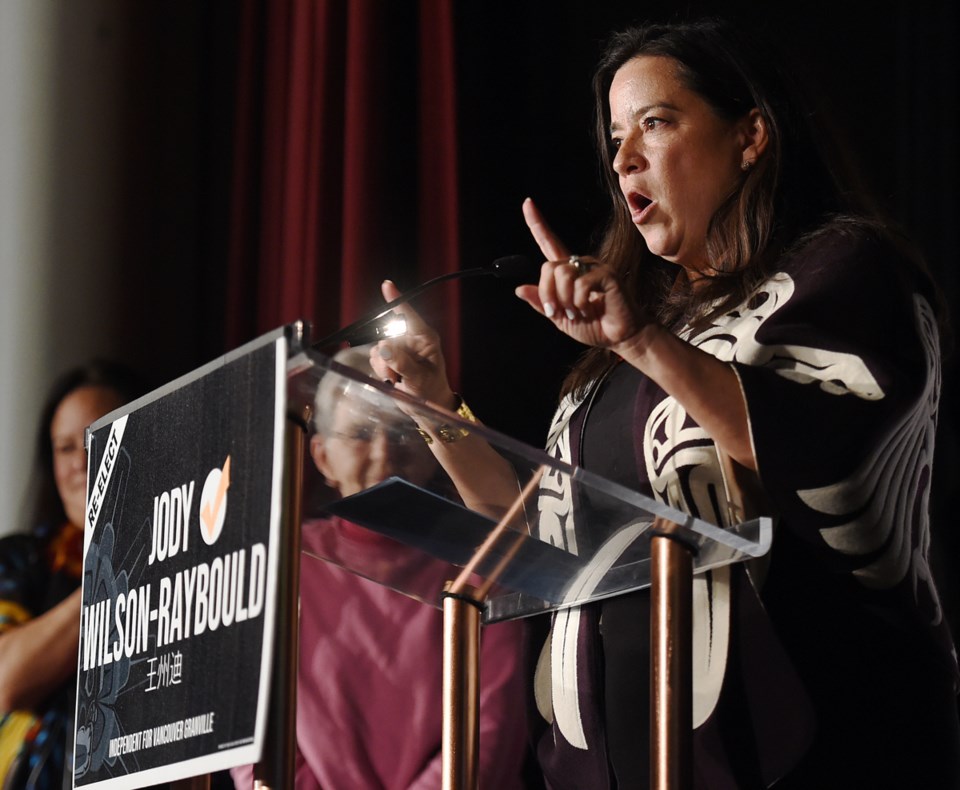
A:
638	205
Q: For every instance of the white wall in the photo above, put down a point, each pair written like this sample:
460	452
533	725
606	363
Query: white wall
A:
58	200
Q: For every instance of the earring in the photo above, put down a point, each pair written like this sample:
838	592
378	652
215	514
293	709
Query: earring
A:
746	164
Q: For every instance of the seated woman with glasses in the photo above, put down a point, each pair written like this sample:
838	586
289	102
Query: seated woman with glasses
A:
369	699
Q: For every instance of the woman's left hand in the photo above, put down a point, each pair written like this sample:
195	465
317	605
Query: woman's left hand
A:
584	302
414	361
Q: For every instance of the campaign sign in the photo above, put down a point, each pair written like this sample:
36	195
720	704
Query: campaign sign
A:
179	578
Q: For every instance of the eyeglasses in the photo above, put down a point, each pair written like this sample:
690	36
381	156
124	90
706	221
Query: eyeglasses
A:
366	433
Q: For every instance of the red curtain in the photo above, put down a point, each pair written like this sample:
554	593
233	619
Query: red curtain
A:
344	163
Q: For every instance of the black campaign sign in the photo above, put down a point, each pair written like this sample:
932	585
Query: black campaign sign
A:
183	498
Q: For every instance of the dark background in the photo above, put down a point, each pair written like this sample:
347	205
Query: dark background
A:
884	73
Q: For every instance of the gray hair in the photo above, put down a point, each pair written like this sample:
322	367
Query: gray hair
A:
334	387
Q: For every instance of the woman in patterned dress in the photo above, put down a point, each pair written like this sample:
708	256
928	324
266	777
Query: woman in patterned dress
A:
40	576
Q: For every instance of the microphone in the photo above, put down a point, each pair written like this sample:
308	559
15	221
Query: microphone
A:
513	267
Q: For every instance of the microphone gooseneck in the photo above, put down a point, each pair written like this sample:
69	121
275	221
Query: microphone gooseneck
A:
514	267
509	266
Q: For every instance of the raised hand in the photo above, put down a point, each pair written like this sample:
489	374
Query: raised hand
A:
583	300
414	361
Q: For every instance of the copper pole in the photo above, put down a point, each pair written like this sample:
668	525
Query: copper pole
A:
671	669
277	765
462	608
461	690
462	582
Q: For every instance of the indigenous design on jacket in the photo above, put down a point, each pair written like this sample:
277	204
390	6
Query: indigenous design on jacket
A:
838	361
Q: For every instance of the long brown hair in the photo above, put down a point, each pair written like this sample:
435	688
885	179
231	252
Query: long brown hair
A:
789	192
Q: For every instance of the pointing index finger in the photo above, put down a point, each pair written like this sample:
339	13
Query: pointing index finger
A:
552	248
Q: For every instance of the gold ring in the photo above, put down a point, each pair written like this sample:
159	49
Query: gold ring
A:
582	267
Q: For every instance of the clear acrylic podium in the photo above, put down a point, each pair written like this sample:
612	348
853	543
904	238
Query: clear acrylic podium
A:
471	522
507	534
